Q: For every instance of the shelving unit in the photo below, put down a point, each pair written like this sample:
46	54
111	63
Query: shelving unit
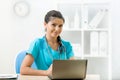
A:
87	27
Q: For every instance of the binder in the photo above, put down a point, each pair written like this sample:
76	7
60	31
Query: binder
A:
97	19
66	25
76	20
77	49
103	43
94	45
84	18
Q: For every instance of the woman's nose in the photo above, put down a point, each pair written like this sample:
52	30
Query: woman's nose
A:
57	28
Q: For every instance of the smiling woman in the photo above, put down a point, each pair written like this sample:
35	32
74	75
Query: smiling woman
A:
21	8
43	51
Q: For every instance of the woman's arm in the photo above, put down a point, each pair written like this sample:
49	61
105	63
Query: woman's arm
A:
72	58
27	70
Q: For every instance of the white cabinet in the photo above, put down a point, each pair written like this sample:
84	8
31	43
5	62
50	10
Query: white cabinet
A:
87	27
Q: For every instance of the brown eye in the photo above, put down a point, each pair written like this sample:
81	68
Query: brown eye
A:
53	25
60	26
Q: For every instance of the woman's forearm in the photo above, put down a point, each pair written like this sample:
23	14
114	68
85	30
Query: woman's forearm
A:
72	58
30	71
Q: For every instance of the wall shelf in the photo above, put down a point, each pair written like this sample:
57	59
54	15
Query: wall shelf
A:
88	24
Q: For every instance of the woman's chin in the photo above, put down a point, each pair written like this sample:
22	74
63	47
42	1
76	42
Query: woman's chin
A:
54	36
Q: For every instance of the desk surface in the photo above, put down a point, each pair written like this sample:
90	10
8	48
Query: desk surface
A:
26	77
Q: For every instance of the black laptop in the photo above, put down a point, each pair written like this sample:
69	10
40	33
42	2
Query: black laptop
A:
69	69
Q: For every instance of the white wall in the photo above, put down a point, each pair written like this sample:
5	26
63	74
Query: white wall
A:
116	39
17	32
6	37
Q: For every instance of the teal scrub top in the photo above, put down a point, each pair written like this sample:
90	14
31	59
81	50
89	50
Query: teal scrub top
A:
44	55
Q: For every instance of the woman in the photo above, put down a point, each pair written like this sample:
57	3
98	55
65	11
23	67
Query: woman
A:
48	48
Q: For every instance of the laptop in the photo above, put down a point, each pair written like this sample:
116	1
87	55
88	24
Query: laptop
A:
69	69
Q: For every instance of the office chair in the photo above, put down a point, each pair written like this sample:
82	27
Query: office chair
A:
19	58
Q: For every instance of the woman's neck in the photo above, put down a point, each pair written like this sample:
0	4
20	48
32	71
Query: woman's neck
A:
51	39
52	42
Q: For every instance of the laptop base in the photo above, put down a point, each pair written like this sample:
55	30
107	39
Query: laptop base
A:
67	79
50	77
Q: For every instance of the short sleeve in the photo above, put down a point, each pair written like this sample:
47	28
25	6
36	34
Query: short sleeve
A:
34	48
69	50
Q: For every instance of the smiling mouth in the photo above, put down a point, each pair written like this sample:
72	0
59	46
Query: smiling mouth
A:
55	33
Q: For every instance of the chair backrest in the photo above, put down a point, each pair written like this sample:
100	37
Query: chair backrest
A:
19	58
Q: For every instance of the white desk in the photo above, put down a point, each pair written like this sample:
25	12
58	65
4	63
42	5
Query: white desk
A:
26	77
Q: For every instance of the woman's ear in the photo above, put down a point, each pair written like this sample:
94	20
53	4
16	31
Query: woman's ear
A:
45	26
45	23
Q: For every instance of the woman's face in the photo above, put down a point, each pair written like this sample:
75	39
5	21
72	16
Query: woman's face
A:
54	27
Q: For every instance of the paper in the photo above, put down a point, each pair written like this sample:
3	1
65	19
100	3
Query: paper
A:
8	76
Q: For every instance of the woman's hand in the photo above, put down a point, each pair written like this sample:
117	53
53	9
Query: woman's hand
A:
72	58
49	71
